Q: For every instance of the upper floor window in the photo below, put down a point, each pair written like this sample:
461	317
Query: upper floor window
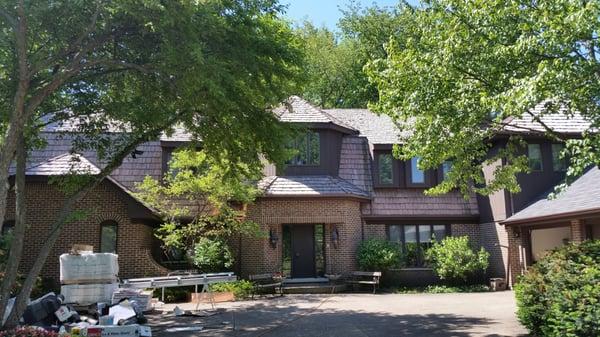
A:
417	176
385	169
534	156
308	146
414	240
108	237
558	164
446	167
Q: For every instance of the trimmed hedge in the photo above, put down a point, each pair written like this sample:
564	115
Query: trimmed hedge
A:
560	294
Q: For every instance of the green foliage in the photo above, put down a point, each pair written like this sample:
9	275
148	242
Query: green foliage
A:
212	255
333	68
241	289
334	62
207	192
454	260
174	295
459	69
560	294
377	255
442	289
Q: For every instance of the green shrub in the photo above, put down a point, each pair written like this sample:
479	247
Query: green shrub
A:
241	289
212	255
560	294
378	255
175	295
454	261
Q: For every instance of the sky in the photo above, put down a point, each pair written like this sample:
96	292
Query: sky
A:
326	12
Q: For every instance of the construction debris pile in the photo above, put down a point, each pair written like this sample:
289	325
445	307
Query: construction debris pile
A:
91	302
94	303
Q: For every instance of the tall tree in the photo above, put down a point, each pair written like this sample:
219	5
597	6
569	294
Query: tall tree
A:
333	69
461	68
335	61
215	67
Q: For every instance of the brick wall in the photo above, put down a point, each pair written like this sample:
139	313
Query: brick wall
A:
517	242
257	255
104	203
578	232
495	240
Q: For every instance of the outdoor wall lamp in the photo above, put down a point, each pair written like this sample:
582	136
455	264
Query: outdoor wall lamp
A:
273	238
335	237
517	234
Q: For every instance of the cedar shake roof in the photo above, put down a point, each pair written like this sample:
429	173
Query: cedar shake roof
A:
63	165
582	196
309	186
560	122
298	110
378	129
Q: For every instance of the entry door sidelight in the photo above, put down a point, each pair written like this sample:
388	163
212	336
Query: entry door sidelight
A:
303	250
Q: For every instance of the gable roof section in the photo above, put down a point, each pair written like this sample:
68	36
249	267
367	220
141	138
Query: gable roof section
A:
378	129
72	163
63	164
309	186
298	110
581	197
560	121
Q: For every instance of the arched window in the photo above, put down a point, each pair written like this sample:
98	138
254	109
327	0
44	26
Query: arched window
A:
7	227
108	236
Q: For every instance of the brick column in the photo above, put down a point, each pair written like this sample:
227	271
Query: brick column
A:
516	254
577	231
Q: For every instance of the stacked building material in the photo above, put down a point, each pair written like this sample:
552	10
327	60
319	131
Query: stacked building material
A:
88	277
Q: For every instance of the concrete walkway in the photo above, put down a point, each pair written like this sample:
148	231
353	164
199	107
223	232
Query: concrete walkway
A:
350	315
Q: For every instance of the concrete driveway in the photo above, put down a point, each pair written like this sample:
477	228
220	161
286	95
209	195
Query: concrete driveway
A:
350	315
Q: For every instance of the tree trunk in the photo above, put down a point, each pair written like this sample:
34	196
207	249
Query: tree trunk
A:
16	123
16	245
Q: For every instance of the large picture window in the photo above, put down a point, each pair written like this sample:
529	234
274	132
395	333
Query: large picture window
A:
308	147
414	240
108	237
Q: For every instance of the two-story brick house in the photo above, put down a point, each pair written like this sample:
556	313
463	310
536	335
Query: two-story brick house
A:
343	186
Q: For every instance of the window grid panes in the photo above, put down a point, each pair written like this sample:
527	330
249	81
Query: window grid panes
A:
417	176
558	164
308	147
534	156
320	250
415	240
385	168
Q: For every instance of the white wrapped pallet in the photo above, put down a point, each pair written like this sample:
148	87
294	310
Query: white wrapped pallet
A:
89	268
84	294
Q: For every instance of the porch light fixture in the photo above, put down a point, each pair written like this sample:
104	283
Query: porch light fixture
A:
335	237
273	238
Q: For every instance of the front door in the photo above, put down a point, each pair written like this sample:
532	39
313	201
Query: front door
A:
303	250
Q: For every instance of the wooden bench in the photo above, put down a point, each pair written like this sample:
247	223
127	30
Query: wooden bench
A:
365	277
264	282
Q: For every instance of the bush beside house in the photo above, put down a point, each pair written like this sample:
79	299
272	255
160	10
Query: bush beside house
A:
560	294
454	261
377	255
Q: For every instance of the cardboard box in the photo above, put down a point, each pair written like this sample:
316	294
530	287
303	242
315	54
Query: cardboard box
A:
132	330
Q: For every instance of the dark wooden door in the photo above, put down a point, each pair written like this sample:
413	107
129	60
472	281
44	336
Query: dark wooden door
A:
303	251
